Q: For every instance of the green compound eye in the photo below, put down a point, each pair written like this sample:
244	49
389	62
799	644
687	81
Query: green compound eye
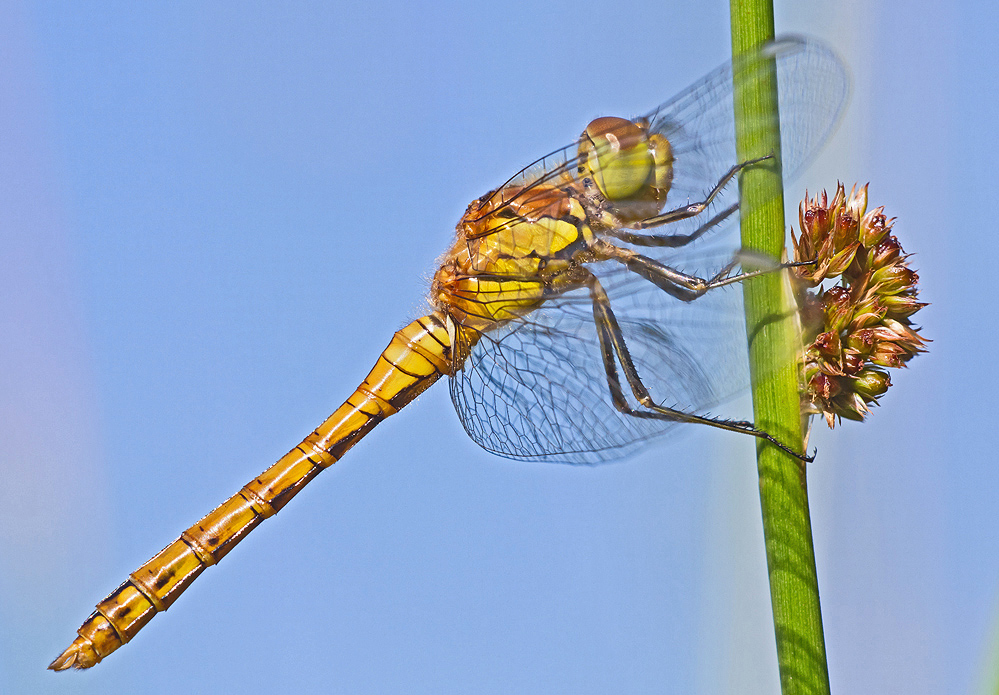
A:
615	152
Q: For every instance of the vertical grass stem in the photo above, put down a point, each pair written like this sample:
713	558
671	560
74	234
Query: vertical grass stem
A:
772	339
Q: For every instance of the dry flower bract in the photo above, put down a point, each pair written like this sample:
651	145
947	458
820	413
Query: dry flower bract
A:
858	328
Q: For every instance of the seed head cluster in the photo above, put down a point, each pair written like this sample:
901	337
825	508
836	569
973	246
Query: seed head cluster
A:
858	328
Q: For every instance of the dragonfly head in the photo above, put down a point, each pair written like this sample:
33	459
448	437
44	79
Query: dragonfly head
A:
631	168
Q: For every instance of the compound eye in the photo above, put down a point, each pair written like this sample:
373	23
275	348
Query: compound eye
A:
615	152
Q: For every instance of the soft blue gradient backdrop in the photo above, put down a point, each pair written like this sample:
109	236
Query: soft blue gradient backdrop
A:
213	219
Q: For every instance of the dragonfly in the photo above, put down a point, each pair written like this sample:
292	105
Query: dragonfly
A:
564	314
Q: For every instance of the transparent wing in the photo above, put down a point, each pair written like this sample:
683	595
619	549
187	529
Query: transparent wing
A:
813	87
537	389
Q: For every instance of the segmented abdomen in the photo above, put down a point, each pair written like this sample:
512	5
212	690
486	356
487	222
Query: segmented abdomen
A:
417	356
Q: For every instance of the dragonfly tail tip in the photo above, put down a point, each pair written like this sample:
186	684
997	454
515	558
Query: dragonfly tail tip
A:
80	654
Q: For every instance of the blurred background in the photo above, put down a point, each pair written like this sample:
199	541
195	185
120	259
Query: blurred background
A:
213	217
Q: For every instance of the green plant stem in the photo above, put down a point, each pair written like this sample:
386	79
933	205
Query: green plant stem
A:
794	591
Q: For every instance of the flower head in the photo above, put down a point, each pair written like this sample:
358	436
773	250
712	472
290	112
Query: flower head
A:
856	329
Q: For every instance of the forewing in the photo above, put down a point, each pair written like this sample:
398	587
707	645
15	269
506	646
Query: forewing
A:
699	122
813	87
537	388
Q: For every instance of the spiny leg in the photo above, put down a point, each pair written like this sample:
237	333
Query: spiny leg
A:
612	344
681	285
689	210
673	240
694	209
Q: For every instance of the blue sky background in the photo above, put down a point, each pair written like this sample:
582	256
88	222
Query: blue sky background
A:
213	219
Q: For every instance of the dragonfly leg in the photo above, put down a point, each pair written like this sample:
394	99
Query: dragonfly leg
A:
612	345
694	209
687	287
673	240
682	213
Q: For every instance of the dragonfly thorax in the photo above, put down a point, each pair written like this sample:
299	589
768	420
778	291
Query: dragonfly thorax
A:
515	248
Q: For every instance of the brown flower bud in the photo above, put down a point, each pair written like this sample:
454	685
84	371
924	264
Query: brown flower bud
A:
838	264
837	308
869	312
893	279
845	230
889	354
824	386
852	362
828	344
885	252
901	306
861	341
856	204
874	227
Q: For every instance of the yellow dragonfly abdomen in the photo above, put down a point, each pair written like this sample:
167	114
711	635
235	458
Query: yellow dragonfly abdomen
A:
417	356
